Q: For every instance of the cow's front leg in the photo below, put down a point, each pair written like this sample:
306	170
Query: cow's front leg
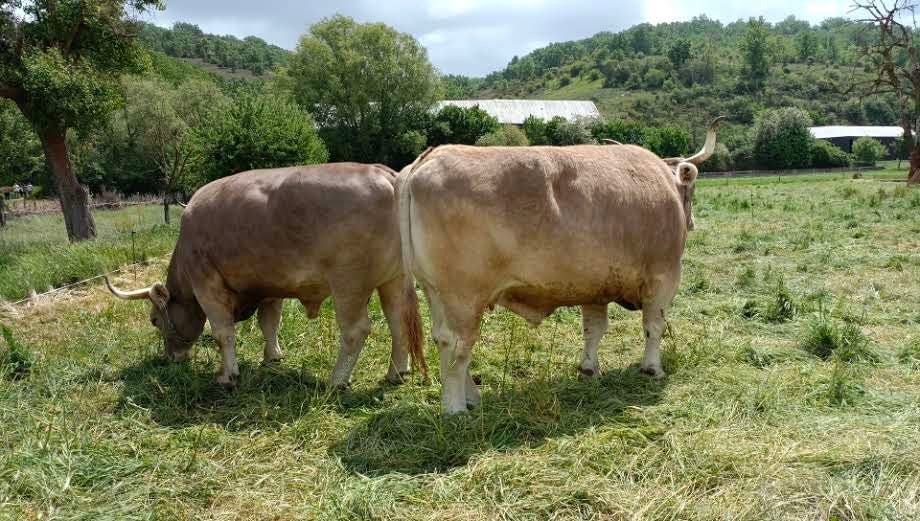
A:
270	323
594	325
226	341
354	326
653	323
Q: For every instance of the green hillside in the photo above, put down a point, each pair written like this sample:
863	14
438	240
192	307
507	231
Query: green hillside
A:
227	56
684	73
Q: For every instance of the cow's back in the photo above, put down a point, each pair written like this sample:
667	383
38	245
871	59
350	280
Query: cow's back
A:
548	225
286	232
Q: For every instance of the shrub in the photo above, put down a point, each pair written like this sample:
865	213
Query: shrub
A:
461	126
782	139
867	151
535	130
668	141
826	155
507	136
562	132
654	78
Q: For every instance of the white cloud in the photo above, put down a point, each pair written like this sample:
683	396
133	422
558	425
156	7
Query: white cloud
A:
662	11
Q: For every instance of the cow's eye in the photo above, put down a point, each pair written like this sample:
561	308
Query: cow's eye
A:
154	321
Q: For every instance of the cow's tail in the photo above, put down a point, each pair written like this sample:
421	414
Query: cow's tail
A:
411	320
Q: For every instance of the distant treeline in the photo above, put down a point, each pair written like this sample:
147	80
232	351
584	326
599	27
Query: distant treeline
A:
189	41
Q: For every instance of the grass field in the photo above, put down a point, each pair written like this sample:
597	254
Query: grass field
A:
793	393
35	254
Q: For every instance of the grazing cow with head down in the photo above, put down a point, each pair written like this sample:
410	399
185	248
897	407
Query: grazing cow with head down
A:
252	239
533	229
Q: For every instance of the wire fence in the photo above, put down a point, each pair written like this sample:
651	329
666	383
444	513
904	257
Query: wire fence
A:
122	269
786	173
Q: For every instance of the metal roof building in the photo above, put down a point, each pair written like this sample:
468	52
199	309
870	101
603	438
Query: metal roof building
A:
856	132
843	137
514	111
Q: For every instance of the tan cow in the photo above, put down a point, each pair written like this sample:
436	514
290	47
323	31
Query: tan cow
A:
533	229
250	240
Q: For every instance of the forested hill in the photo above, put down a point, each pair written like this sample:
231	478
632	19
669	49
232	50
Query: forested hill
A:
188	41
696	69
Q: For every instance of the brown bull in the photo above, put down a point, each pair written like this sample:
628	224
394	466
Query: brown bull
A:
250	240
533	229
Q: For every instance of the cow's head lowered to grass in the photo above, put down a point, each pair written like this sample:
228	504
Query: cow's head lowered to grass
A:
180	323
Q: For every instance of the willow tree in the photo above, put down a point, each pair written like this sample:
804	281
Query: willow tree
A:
892	53
369	87
60	62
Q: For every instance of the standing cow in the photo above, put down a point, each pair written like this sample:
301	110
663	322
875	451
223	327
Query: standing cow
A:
533	229
250	240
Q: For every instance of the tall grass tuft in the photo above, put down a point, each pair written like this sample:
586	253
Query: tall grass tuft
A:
825	338
782	307
15	360
909	355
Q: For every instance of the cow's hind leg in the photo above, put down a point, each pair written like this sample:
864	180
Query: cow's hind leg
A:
354	326
392	301
456	329
594	325
270	323
654	314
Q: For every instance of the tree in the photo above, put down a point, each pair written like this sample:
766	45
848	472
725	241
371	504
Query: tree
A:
506	136
806	45
892	54
867	151
679	52
755	50
258	130
459	125
367	85
60	61
163	122
782	139
20	151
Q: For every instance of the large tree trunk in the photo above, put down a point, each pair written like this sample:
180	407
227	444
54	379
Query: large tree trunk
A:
166	208
74	199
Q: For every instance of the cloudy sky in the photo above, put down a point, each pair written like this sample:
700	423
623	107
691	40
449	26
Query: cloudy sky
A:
475	37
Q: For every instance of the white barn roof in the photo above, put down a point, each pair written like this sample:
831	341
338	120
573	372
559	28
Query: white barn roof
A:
514	111
842	131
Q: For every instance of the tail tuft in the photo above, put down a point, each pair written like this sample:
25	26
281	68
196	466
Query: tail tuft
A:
412	324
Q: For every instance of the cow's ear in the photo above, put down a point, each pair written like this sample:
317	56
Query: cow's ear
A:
159	295
687	173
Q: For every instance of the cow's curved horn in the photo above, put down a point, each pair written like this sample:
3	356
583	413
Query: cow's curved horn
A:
180	204
709	146
610	142
138	294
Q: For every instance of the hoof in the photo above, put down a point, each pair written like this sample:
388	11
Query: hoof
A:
272	361
586	373
397	379
654	372
228	384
